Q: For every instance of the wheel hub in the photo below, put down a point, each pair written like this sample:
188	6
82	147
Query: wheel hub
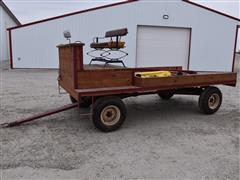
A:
213	101
110	115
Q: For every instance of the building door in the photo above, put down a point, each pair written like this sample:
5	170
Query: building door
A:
163	46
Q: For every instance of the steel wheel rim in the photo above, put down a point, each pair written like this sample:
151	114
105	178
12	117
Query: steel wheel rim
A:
110	115
213	101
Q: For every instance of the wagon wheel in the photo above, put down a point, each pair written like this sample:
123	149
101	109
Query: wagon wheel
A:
85	101
166	95
210	100
109	113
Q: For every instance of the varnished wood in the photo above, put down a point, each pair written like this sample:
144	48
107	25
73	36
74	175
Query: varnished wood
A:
106	78
96	80
186	80
70	62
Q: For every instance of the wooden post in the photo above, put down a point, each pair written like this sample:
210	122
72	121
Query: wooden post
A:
78	55
71	55
77	61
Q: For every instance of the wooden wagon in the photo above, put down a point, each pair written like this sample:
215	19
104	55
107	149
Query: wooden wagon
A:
104	88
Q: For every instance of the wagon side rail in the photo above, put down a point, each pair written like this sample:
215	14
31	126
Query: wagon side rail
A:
201	79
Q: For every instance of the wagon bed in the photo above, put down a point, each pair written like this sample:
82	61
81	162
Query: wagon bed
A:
96	80
195	79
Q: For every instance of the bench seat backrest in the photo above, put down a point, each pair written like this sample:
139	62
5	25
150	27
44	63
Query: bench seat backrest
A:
118	32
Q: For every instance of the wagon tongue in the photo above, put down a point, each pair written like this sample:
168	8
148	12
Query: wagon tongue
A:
38	116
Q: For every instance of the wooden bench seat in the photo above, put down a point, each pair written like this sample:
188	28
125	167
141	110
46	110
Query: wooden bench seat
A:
108	45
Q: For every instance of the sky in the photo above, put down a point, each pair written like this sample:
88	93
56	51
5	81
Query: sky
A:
32	10
231	7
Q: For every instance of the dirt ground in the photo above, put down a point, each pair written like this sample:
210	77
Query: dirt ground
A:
159	140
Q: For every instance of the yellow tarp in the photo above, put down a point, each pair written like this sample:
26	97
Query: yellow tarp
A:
153	74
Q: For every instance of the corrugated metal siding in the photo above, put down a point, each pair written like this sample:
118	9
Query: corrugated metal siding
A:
5	22
212	44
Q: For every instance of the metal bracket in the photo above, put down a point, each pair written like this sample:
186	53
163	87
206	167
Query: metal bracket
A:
59	87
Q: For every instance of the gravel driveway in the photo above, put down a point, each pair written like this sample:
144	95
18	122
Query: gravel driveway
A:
159	140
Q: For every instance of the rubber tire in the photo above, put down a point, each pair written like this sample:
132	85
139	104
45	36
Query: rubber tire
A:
204	97
85	101
166	95
100	104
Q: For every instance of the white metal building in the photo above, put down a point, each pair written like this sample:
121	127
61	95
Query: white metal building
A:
161	33
7	19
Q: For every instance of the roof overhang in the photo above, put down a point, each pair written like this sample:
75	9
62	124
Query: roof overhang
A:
73	13
9	12
213	10
116	4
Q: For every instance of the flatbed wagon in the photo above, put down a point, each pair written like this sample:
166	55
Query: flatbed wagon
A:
103	88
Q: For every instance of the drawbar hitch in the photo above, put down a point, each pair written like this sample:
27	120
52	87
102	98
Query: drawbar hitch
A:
40	115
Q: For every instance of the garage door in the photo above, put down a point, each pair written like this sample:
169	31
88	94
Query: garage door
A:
162	46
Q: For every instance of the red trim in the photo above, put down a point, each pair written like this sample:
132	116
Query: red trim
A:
111	5
9	12
73	13
213	10
235	48
10	49
189	49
